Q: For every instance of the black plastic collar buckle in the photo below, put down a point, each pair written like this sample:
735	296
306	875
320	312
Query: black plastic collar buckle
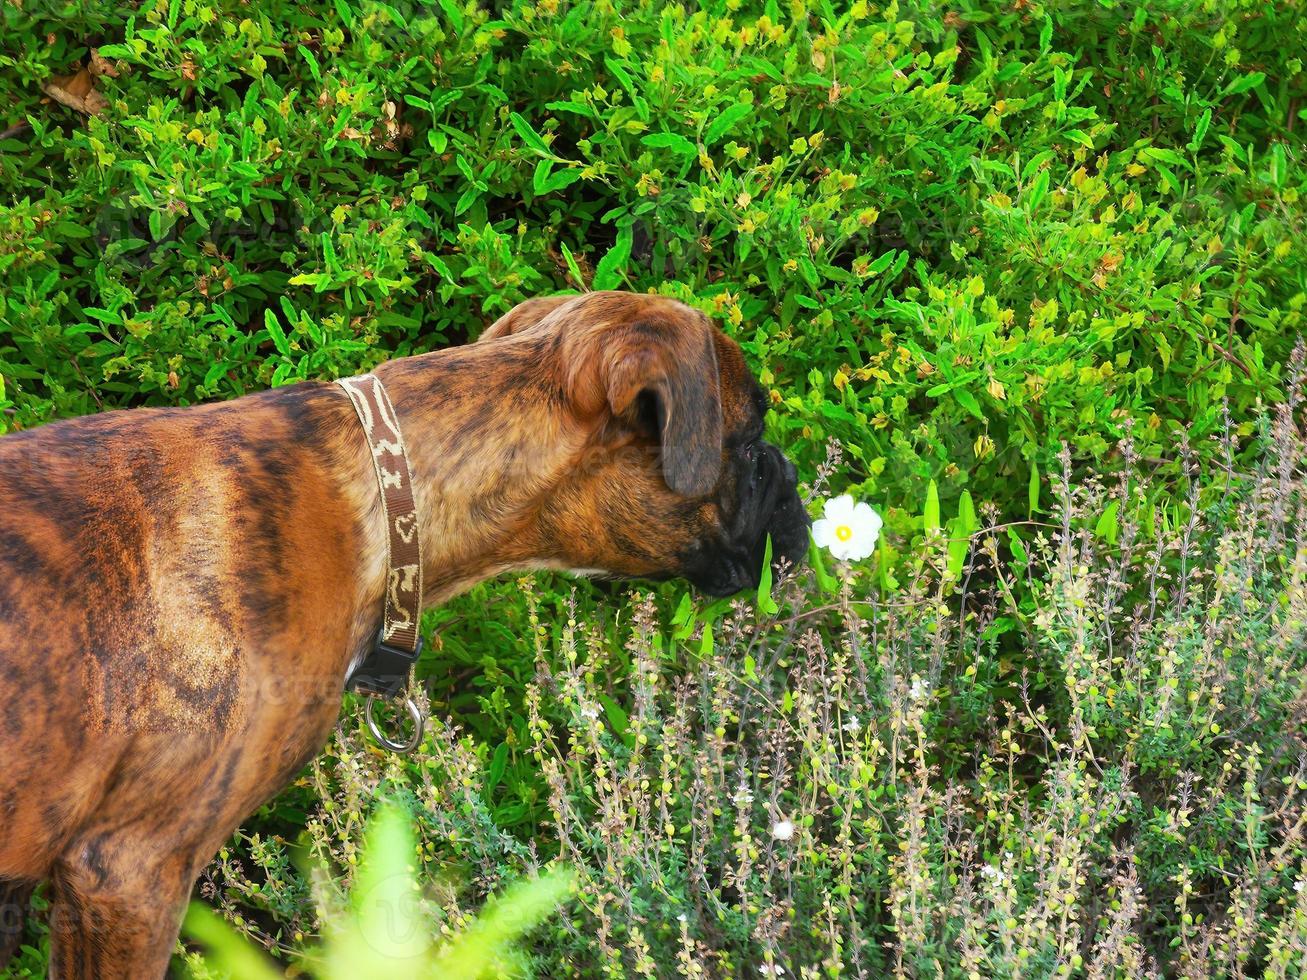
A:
384	671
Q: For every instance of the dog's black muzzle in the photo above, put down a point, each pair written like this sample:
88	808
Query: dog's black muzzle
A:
768	504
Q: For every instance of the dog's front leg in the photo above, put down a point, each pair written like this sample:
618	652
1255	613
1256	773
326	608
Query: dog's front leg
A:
115	911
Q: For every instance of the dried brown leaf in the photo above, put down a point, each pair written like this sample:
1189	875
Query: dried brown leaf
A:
77	92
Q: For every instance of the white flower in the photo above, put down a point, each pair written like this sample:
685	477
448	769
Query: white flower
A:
849	530
771	970
743	796
783	829
853	726
589	711
1299	885
919	689
993	874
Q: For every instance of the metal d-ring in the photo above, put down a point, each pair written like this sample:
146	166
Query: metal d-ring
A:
403	748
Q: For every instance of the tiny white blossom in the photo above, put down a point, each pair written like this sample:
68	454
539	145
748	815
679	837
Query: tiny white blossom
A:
853	726
848	529
771	970
589	711
1299	885
682	918
993	874
783	829
919	689
743	796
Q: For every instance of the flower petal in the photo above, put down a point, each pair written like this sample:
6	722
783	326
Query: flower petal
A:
864	514
823	532
841	549
839	508
860	547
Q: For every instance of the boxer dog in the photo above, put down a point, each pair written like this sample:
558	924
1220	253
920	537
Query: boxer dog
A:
183	591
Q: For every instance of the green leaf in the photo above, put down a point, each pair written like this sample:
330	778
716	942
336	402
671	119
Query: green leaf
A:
1107	527
227	950
544	181
967	522
723	124
1169	177
562	179
618	719
529	136
215	372
454	12
968	401
498	763
931	514
572	267
541	176
307	55
1038	189
766	604
1033	491
826	582
1244	83
104	316
1278	164
683	618
480	947
385	891
1200	130
671	141
276	333
633	90
961	529
329	253
1018	548
608	273
882	263
884	564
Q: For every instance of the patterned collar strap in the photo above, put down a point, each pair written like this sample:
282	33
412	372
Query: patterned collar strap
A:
384	671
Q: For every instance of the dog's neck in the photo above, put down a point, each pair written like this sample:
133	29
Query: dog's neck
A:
486	440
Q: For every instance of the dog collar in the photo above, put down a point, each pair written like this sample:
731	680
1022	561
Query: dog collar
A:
384	671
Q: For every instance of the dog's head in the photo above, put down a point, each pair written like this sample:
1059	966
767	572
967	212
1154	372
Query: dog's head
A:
676	479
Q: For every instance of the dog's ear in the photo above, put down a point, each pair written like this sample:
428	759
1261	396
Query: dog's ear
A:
673	361
523	316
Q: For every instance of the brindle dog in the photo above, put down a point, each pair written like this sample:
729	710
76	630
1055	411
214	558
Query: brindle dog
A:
183	591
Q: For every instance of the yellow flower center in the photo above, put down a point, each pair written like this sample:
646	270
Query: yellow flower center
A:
844	532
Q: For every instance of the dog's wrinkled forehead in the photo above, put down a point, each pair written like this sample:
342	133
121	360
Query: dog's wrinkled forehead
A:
744	403
648	319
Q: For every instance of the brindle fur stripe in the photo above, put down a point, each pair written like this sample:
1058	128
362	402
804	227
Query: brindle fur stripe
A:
404	565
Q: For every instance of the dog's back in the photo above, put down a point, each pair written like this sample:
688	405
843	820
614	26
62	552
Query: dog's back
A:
143	554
